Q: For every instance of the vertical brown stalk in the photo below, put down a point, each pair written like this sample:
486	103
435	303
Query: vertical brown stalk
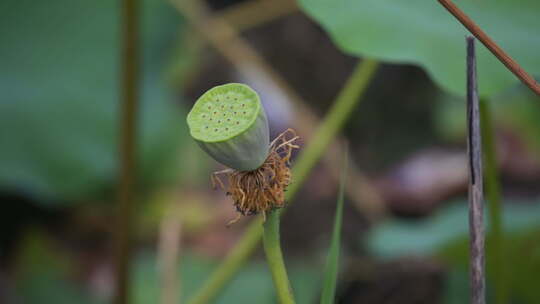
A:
129	96
476	204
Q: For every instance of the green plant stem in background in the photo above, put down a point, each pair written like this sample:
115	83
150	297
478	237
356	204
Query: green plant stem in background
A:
332	264
495	248
343	106
274	258
128	130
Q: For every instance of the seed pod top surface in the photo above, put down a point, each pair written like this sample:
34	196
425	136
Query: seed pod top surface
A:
224	112
229	123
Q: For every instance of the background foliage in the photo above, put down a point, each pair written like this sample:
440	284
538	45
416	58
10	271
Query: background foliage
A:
424	33
59	119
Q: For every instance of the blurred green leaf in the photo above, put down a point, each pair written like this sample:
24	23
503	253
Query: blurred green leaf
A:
519	110
45	275
422	32
523	254
400	237
521	250
332	264
49	288
445	235
252	285
456	289
42	274
516	109
59	87
450	117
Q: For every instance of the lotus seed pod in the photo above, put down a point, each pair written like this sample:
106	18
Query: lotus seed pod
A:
229	123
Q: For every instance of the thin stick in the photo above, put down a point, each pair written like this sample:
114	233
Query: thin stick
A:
129	97
510	63
476	212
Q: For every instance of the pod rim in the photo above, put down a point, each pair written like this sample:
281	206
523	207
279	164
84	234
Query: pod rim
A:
248	125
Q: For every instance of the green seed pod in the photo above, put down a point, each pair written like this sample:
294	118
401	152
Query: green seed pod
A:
229	123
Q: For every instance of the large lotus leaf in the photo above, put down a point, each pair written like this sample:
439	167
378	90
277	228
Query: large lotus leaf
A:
59	97
422	32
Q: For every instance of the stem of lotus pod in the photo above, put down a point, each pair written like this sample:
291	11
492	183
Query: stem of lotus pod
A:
229	123
274	258
342	107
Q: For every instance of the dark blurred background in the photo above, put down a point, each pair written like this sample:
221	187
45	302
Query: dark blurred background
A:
405	221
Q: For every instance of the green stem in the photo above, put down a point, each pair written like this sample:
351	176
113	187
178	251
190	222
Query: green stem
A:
493	193
328	294
274	258
343	106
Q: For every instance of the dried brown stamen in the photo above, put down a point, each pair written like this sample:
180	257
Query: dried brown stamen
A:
263	189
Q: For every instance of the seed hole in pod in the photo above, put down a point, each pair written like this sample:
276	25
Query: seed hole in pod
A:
237	122
215	130
219	121
234	113
231	107
226	129
228	119
206	127
215	113
211	119
204	116
244	112
243	105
